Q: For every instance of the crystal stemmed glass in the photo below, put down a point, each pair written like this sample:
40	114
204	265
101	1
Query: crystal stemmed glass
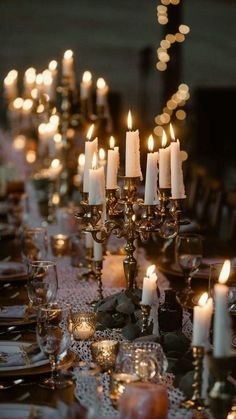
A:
54	338
42	282
188	250
34	244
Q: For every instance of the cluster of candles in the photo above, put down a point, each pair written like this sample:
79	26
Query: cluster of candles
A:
202	313
36	85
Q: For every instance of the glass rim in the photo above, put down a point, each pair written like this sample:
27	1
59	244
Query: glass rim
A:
190	235
52	307
44	263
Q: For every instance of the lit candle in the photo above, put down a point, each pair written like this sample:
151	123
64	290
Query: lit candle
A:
96	183
47	83
132	152
10	85
164	164
149	286
151	174
91	147
52	67
39	82
222	327
113	160
176	158
68	63
102	90
29	81
202	320
86	85
102	157
81	163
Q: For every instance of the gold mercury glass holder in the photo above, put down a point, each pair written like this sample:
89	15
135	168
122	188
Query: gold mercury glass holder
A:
146	309
104	353
196	402
220	399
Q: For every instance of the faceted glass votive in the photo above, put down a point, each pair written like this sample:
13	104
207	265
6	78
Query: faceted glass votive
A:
104	353
118	383
83	324
60	244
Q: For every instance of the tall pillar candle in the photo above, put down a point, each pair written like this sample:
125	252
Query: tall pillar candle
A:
68	63
151	175
149	287
132	152
202	314
164	164
102	91
222	327
91	147
86	85
96	184
177	181
112	165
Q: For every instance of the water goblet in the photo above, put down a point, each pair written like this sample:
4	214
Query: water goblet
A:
34	244
189	252
54	338
42	283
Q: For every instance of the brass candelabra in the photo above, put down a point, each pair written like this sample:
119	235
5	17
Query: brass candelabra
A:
130	218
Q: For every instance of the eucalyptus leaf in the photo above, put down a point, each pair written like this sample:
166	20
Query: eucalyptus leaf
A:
131	331
126	307
186	383
105	319
108	305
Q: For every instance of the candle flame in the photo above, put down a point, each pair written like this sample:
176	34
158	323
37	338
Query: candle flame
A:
101	83
18	103
164	139
27	104
55	163
52	66
68	54
133	217
150	143
94	161
34	93
112	141
87	77
90	132
39	78
225	271
47	77
101	154
172	133
31	156
81	159
54	119
150	270
57	138
129	120
203	299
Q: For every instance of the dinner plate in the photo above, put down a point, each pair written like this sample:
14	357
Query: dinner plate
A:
14	347
12	271
40	367
16	322
22	411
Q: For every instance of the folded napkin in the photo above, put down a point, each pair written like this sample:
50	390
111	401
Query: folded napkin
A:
26	356
13	312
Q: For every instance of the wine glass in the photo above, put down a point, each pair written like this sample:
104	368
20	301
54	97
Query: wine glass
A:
42	282
34	244
188	250
54	338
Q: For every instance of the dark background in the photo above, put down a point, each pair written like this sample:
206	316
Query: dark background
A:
108	38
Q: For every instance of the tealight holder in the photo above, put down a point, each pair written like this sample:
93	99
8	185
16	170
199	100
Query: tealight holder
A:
83	324
118	383
104	353
60	244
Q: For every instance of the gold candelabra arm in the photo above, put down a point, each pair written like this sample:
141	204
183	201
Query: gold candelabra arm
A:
112	201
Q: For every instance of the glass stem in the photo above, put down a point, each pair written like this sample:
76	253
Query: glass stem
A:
189	280
52	360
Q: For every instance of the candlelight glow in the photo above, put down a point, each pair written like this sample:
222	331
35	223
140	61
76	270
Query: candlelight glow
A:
19	142
112	141
55	198
172	133
164	139
87	77
101	83
34	93
150	143
30	75
133	217
94	161
42	128
225	271
68	54
47	78
18	103
203	299
40	108
55	163
31	156
150	270
54	119
27	104
101	154
12	75
81	160
39	78
52	66
90	132
129	121
57	138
